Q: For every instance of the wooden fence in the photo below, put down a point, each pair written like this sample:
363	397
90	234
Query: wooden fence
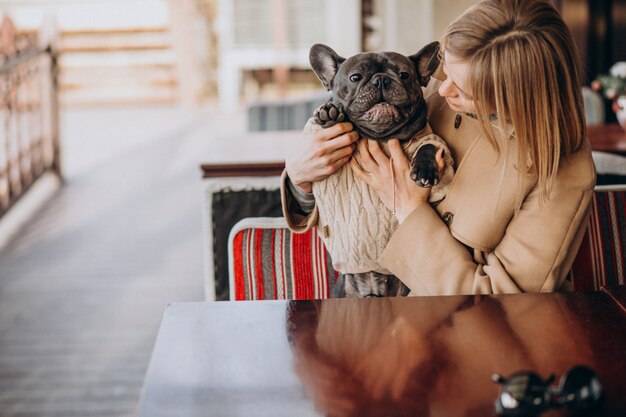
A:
29	118
117	66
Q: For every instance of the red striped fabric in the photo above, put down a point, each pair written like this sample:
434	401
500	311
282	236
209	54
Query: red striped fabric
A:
248	266
601	260
281	266
274	263
273	266
258	265
302	251
239	274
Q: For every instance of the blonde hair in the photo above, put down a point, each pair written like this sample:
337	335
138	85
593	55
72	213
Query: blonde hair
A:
523	63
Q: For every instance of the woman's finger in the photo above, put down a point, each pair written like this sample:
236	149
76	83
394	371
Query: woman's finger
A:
366	158
377	153
441	163
359	172
338	158
339	163
341	153
342	141
395	149
334	131
400	160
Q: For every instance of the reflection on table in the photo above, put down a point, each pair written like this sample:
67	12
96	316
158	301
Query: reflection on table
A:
428	356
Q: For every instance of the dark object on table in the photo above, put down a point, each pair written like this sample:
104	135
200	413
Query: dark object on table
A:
526	394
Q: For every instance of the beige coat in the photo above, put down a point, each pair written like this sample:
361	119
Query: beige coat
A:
484	245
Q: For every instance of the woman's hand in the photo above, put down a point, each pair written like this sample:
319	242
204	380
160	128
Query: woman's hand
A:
396	190
322	153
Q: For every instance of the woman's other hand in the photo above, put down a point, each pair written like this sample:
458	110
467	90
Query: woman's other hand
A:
322	153
396	190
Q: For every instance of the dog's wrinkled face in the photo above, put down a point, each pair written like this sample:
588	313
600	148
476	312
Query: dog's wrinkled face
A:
380	92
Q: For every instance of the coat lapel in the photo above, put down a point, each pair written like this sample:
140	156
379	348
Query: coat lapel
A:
482	197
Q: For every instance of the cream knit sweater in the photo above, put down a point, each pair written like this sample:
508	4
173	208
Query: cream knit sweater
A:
353	222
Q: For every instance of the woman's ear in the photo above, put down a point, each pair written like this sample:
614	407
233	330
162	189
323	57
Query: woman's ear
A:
325	63
426	61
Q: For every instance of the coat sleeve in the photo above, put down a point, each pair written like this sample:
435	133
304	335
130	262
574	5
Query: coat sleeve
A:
535	254
297	220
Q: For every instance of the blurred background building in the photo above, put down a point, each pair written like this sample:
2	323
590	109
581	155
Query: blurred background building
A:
188	51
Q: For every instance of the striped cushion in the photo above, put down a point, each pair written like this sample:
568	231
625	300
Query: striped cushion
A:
269	262
600	260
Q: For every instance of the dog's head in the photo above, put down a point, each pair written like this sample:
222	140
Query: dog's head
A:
380	92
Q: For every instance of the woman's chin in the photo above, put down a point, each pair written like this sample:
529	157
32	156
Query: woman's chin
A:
452	105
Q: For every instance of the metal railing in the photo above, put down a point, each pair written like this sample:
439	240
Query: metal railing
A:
29	122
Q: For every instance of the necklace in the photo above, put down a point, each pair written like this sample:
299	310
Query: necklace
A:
393	180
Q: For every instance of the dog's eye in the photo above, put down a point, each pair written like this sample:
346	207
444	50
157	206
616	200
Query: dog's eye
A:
404	75
356	78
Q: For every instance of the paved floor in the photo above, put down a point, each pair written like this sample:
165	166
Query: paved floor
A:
83	286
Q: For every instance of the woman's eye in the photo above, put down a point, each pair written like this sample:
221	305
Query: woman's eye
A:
404	75
356	78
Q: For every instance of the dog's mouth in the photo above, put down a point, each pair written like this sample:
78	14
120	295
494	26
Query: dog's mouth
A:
381	113
384	120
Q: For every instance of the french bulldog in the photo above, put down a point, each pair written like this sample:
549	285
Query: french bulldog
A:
381	95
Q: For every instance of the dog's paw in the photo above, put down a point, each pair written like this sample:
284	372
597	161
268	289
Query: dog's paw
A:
328	115
424	167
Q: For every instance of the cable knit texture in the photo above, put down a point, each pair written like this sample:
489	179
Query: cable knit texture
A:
353	222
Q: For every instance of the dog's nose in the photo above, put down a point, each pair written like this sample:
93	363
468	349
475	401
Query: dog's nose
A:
381	80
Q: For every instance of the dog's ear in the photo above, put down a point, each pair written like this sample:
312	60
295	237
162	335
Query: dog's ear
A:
325	63
426	61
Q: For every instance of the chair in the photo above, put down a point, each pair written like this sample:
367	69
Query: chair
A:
601	260
594	106
269	262
226	201
611	168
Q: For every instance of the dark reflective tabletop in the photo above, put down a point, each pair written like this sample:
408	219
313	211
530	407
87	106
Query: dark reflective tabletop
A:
427	356
618	294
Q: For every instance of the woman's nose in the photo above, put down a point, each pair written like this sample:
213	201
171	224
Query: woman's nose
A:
447	89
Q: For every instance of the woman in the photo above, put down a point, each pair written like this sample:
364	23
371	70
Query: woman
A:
511	112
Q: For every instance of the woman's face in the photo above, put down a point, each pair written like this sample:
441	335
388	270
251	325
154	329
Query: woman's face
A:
455	88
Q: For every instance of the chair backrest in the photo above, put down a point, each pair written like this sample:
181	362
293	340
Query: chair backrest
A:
611	168
226	201
269	262
594	106
601	260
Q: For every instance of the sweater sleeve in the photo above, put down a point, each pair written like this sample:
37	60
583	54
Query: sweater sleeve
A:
535	254
299	219
306	201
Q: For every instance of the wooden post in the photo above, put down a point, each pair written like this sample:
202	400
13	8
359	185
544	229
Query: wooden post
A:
49	36
182	15
7	33
54	109
280	71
